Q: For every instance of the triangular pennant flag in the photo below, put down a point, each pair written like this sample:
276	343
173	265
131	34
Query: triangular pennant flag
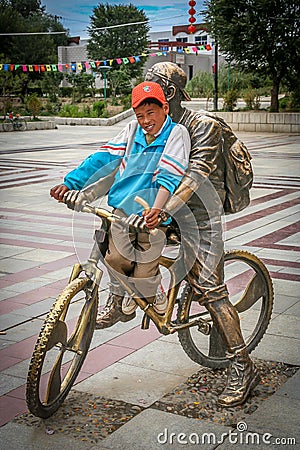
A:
87	65
93	65
137	59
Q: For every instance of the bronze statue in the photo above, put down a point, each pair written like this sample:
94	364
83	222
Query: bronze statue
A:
203	179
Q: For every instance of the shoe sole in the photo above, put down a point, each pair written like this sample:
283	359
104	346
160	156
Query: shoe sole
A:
126	318
253	384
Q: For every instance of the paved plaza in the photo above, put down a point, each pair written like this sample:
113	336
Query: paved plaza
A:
41	240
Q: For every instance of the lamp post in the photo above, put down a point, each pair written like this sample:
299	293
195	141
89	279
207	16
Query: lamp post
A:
216	78
104	70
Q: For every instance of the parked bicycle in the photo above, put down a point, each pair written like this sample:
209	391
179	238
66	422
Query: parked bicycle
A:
66	334
16	123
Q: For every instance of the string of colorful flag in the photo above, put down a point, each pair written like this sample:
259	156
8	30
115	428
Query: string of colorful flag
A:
84	65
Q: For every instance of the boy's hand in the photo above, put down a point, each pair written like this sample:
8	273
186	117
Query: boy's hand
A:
152	219
59	191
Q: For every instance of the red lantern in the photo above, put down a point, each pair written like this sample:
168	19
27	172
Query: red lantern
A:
192	19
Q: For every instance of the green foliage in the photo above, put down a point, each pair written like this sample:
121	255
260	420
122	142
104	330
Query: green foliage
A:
201	85
118	42
126	101
83	85
260	36
252	99
98	108
230	100
119	81
34	105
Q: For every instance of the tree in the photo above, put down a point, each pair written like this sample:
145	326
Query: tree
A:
118	42
260	36
28	16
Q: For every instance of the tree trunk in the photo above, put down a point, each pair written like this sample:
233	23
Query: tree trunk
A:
274	96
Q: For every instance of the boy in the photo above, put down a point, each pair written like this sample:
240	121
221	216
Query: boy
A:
151	156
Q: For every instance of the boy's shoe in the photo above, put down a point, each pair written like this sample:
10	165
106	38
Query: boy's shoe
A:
160	303
128	305
112	313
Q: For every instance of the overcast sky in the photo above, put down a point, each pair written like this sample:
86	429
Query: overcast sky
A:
162	14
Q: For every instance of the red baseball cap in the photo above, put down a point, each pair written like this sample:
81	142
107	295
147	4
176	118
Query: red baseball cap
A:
145	90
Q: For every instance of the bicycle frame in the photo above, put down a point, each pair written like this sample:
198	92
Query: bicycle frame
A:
163	322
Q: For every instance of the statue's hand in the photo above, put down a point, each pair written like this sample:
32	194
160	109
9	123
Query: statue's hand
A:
136	222
75	200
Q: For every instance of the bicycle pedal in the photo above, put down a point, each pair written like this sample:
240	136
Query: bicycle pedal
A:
204	328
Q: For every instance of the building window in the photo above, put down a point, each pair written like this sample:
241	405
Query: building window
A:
185	39
201	40
163	48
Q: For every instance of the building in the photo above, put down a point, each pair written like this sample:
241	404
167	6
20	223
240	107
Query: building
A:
192	52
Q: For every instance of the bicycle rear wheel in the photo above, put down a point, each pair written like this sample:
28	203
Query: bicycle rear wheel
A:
20	125
8	125
250	291
61	348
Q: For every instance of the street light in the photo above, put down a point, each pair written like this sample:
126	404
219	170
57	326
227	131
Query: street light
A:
104	70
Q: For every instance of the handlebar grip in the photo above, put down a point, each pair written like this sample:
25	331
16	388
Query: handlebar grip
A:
143	203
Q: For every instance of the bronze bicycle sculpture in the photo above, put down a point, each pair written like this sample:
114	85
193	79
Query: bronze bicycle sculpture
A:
65	337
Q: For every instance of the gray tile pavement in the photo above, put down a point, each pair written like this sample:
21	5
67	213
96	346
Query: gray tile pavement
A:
279	415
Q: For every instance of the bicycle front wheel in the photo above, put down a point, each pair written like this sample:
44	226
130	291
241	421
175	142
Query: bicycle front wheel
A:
8	125
250	291
20	125
61	348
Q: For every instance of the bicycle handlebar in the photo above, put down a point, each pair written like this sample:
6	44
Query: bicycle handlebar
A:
100	212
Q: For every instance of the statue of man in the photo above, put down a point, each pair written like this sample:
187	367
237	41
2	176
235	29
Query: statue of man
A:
203	180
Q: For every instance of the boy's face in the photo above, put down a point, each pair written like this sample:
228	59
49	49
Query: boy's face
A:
151	117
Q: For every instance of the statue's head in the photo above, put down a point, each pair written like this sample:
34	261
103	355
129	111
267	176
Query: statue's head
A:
171	78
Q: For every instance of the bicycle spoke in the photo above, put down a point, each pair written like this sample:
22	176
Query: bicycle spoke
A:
59	335
54	380
253	292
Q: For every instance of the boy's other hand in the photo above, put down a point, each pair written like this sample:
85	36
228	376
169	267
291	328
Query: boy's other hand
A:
59	191
152	219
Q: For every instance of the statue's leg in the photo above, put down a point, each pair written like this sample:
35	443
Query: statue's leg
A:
207	280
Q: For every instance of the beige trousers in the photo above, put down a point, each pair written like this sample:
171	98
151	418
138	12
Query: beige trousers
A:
134	257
